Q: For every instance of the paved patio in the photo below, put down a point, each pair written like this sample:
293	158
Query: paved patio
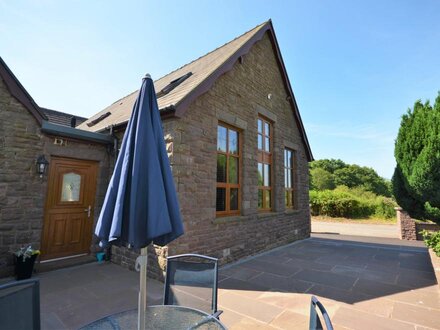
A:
364	284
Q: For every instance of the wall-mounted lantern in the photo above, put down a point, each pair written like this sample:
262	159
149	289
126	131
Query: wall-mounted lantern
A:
42	165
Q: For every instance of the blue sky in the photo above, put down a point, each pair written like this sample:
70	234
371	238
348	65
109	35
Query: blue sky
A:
355	66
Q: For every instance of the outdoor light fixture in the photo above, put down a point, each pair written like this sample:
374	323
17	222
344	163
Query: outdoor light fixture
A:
42	165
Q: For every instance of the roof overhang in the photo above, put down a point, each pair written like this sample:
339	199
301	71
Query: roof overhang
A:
74	133
165	113
19	92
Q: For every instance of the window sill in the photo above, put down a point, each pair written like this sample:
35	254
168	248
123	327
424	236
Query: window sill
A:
292	211
266	214
229	219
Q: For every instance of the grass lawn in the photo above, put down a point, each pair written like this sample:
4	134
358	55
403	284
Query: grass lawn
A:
376	221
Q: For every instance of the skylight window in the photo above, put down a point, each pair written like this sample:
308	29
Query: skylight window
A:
176	82
100	118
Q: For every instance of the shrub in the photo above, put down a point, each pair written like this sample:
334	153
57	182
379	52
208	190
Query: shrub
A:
432	240
417	151
351	203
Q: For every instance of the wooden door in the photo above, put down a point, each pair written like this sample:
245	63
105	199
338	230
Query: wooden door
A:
68	221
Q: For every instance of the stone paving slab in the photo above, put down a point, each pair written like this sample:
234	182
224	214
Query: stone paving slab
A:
364	283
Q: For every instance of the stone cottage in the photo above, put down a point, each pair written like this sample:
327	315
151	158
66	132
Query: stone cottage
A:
238	149
237	145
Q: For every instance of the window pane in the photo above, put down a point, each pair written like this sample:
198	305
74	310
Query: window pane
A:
266	129
233	142
260	142
71	187
285	177
221	199
268	199
233	170
260	126
289	158
266	176
285	158
234	199
267	144
221	168
260	174
260	199
288	198
221	138
288	175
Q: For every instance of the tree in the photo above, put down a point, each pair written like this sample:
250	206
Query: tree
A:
321	179
329	173
416	178
361	176
330	165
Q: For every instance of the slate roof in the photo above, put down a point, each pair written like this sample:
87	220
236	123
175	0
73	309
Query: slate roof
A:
201	69
204	72
61	118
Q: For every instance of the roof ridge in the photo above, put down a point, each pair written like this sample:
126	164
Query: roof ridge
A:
61	112
212	51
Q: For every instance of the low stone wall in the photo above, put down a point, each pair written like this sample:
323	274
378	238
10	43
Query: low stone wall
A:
427	227
409	228
435	265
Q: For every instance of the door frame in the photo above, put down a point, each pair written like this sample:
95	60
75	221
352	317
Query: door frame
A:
51	190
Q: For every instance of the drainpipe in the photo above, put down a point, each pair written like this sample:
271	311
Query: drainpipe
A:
115	144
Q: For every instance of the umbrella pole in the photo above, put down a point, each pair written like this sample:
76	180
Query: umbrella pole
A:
141	264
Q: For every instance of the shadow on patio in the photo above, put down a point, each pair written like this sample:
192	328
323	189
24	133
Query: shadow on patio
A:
367	283
364	284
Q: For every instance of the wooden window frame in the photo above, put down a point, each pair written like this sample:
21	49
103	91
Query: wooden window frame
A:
292	168
227	185
265	157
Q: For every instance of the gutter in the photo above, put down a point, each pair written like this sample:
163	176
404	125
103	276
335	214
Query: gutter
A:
165	113
75	133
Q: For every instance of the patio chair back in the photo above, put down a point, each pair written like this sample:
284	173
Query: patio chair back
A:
20	305
315	320
191	280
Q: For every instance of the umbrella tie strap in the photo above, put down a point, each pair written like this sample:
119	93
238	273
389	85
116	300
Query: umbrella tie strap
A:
140	261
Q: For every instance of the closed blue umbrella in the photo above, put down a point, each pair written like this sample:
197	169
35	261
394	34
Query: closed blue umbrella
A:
141	206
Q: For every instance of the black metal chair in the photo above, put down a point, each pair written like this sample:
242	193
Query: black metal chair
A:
191	281
20	305
315	321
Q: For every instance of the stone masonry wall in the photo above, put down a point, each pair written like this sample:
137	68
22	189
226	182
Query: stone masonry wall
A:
22	192
406	225
409	228
21	205
236	99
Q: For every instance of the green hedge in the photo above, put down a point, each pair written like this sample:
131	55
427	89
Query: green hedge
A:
432	240
351	203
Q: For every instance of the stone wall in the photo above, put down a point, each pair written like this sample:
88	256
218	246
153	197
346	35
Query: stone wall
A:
406	225
21	205
236	98
409	228
22	192
425	226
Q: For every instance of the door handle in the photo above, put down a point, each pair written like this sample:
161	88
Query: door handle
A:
88	210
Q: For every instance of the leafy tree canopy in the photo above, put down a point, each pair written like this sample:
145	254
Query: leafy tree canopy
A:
416	179
330	173
320	179
330	165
